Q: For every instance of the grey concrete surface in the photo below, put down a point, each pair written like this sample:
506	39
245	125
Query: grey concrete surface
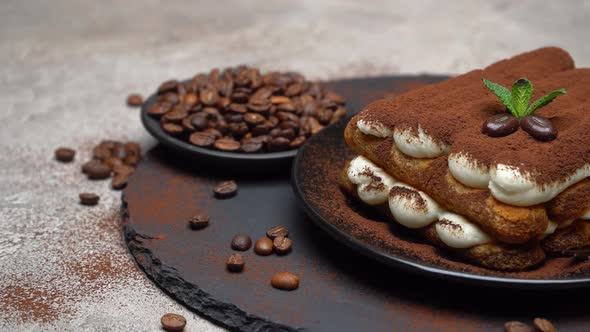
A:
67	66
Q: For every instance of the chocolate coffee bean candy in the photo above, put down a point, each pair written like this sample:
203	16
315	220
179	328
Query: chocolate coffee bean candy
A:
277	231
227	144
241	242
226	189
98	171
88	199
198	221
64	155
173	322
285	281
119	181
539	127
251	145
235	263
263	246
134	99
515	326
282	245
202	139
543	325
500	125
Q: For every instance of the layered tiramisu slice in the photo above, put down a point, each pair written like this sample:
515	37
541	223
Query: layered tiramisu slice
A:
492	164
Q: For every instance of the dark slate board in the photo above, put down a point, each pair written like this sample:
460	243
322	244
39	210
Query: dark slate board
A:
339	291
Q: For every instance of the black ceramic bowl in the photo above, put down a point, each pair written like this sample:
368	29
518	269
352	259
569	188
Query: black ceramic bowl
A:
246	162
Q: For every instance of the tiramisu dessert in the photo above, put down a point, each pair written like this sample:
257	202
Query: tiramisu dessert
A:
491	165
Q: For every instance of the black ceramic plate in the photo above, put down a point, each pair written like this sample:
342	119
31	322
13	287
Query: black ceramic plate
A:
315	181
243	161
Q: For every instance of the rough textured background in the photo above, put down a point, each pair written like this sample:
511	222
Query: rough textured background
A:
67	66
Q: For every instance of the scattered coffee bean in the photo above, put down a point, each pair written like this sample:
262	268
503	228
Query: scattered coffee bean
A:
263	246
226	189
90	164
277	231
242	104
89	199
500	125
64	154
539	127
173	322
515	326
134	99
235	263
543	325
98	171
282	245
285	281
119	181
241	242
198	221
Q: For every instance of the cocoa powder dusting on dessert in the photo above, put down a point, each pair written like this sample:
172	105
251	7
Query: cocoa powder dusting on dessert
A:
453	111
360	222
411	195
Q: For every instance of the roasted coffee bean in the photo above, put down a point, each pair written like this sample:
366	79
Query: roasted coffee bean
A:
500	125
259	108
216	133
277	231
172	129
263	246
208	96
235	263
251	145
98	171
119	181
261	129
543	325
123	170
226	189
169	97
132	160
297	142
88	199
285	281
113	161
282	245
515	326
135	99
241	242
339	113
89	164
336	98
190	99
238	108
253	118
173	322
227	144
65	155
278	144
168	86
324	115
199	121
539	127
175	116
132	148
198	221
202	139
289	125
159	109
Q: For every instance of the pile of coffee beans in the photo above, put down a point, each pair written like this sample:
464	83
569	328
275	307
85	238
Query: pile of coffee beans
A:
113	158
242	110
539	325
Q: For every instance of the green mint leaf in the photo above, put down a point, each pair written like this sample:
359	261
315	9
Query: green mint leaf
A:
502	93
522	90
544	101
